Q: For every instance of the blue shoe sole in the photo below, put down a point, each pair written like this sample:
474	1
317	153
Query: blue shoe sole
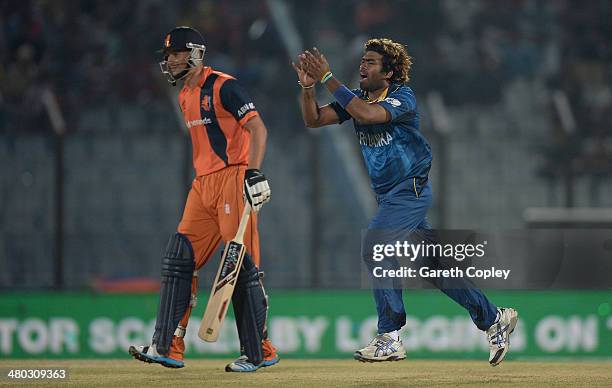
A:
164	361
271	362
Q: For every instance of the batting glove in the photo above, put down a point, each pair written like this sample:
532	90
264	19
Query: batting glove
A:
256	188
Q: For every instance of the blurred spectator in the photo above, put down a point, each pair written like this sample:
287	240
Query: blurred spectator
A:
99	56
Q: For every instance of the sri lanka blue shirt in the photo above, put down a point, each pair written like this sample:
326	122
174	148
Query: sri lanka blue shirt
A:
396	150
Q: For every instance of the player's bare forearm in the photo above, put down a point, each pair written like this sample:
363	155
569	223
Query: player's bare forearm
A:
313	115
360	110
310	108
259	134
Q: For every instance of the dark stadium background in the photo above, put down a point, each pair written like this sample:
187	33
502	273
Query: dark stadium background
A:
515	98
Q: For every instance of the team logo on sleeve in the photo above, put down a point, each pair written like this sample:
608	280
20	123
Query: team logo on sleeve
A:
245	108
393	101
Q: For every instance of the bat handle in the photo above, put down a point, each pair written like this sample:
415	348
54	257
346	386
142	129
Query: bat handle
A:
244	220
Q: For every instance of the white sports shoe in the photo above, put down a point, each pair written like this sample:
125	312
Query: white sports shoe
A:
242	364
382	348
499	335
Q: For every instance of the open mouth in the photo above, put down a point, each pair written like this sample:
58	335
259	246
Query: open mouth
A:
363	76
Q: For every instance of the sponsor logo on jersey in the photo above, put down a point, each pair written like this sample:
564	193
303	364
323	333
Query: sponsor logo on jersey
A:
202	121
245	108
393	101
375	139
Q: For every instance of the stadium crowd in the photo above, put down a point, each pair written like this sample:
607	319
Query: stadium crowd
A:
100	55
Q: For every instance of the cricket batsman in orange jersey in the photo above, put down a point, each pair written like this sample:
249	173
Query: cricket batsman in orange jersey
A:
229	141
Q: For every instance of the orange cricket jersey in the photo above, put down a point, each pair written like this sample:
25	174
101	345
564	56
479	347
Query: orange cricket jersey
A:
215	113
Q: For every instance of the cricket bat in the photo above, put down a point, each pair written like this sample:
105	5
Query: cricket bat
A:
225	281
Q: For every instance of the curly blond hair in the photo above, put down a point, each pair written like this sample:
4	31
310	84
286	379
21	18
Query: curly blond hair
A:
395	58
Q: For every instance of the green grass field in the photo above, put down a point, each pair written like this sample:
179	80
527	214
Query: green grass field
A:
325	373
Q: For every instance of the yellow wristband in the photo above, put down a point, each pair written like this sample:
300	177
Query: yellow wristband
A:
326	77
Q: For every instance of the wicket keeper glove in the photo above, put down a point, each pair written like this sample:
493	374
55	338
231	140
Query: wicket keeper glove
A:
256	188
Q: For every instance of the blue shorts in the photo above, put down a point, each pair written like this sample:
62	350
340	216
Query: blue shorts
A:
405	208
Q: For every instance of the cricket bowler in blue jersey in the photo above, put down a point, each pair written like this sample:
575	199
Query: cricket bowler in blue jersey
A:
398	158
